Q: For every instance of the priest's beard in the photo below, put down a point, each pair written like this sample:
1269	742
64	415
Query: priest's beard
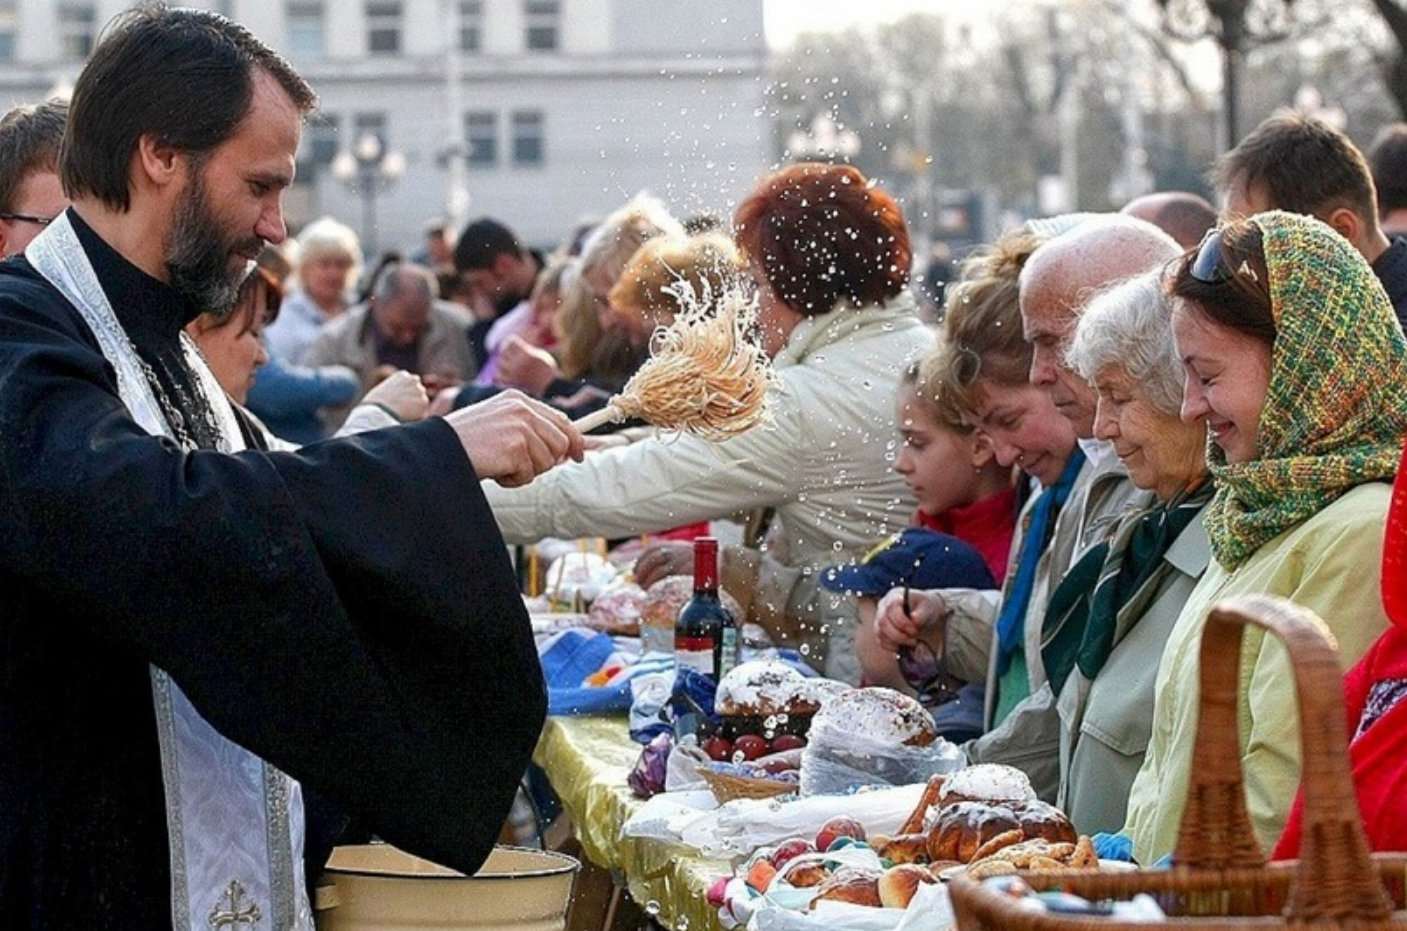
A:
198	256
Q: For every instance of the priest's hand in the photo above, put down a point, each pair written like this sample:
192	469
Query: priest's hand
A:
512	439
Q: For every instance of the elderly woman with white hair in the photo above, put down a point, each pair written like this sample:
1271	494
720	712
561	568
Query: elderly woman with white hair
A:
1111	615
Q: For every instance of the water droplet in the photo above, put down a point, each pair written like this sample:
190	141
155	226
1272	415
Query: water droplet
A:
652	908
837	546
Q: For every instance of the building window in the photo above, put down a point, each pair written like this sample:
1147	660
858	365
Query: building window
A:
383	27
77	22
471	25
306	29
9	27
543	17
321	142
481	138
529	144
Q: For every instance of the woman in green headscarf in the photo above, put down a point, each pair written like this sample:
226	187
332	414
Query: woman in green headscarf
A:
1297	363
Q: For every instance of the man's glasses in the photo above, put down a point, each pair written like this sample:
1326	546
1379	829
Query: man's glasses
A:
26	218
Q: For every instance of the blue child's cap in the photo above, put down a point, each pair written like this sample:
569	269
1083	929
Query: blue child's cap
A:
918	558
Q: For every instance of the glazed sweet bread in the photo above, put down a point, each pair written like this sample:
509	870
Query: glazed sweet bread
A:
963	827
987	782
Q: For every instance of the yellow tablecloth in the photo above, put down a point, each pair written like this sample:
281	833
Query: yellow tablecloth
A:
587	759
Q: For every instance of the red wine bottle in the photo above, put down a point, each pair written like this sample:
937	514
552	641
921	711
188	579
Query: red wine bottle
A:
705	634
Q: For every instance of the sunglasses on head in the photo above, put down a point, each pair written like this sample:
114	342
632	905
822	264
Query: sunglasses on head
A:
1209	265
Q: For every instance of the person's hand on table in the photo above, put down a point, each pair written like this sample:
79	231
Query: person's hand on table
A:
523	365
661	560
903	613
512	439
403	394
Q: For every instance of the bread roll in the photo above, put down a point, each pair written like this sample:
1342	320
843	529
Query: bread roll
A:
898	885
902	848
849	885
803	875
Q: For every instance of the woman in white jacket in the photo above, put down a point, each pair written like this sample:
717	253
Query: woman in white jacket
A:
830	254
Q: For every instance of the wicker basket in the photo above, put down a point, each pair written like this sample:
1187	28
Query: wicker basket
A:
1220	880
727	787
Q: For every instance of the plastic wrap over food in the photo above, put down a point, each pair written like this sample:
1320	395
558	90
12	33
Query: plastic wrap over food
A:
930	910
740	827
839	757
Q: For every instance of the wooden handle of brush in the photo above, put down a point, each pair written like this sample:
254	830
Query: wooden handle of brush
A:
605	415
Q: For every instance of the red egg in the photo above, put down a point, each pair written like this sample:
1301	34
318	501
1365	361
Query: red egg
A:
751	746
783	742
718	748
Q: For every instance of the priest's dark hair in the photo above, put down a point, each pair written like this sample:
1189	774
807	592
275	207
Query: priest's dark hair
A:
185	76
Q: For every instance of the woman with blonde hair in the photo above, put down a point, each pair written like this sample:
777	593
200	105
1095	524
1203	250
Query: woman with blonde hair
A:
329	260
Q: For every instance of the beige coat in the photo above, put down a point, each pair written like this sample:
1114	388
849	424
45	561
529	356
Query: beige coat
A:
824	463
1330	563
1105	724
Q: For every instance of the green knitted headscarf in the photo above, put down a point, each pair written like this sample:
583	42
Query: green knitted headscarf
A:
1336	408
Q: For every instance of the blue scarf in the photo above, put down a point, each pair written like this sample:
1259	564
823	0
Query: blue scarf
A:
1040	524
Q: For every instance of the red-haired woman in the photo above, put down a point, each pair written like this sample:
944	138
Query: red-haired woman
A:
829	252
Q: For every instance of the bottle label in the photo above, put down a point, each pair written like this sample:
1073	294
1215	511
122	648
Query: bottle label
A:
729	659
694	653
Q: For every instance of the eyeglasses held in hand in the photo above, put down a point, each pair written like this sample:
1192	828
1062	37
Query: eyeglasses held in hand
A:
924	671
26	218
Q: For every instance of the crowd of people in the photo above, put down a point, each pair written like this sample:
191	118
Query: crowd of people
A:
1083	436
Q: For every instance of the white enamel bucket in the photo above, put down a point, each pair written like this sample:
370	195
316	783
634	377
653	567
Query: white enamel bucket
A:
376	887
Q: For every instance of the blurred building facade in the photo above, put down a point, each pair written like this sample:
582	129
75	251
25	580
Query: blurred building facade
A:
538	112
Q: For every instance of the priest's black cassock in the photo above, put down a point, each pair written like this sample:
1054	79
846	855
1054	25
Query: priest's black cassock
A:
346	612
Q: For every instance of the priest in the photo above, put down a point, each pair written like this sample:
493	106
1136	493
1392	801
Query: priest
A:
191	632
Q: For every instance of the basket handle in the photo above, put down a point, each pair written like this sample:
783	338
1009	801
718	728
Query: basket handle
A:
1336	877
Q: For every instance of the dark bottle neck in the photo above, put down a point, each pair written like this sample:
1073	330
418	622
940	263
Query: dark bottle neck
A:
706	566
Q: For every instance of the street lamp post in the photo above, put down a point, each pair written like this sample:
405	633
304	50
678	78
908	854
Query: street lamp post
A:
1236	26
367	170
